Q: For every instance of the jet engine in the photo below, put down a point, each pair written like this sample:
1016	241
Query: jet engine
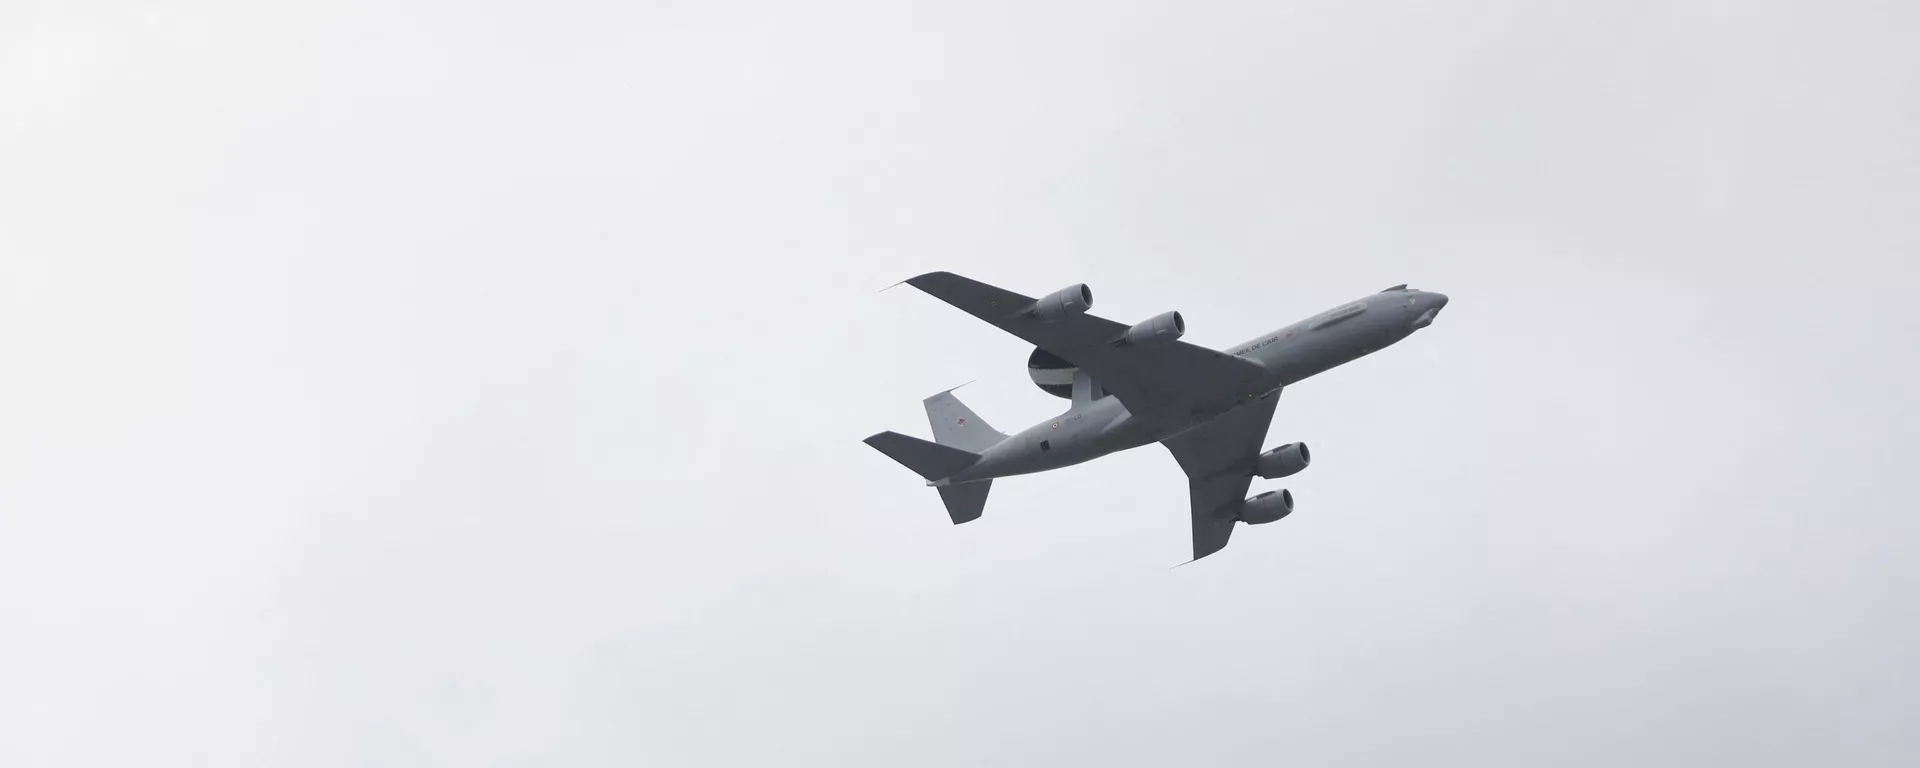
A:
1061	304
1156	330
1267	507
1282	461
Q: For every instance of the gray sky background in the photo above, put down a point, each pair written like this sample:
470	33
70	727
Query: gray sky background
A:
432	383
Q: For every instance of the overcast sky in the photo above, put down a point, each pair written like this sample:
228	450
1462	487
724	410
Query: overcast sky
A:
417	383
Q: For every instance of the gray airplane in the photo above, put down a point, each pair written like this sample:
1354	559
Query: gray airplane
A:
1131	386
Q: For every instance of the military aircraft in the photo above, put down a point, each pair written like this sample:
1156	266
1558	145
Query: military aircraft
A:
1140	384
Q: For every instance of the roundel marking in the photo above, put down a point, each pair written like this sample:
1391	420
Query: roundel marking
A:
1056	425
962	420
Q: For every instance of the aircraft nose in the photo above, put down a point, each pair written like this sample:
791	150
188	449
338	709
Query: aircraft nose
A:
1435	302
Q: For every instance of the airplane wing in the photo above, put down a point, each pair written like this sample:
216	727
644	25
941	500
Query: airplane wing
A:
1146	379
1217	457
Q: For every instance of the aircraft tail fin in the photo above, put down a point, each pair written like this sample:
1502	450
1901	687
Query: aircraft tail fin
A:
965	501
932	461
956	425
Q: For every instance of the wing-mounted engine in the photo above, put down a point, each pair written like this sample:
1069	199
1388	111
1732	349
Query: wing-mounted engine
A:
1266	507
1061	304
1154	331
1282	461
1052	373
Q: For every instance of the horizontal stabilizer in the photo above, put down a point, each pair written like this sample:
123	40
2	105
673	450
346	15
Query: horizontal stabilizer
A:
932	461
965	501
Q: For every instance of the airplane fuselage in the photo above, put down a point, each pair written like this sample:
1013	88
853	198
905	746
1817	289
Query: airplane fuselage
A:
1101	426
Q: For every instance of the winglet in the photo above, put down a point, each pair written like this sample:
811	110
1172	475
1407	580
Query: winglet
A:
910	280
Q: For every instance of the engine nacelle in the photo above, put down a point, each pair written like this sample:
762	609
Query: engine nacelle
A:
1064	303
1159	329
1282	461
1266	507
